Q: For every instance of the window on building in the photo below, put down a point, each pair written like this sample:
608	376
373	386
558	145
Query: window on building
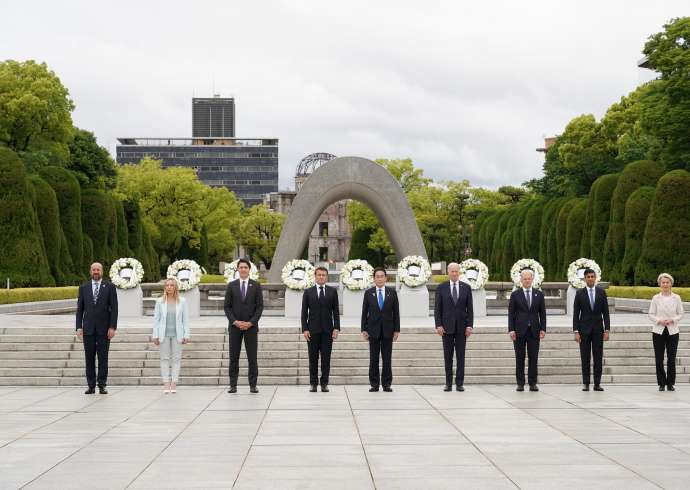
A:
323	254
323	228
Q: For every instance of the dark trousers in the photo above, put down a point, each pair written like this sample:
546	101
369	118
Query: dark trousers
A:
384	347
454	343
321	344
532	343
96	345
592	346
250	346
669	343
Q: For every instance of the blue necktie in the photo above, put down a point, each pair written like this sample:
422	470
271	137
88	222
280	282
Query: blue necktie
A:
380	300
243	290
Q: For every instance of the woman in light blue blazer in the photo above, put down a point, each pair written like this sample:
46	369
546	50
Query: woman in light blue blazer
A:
170	331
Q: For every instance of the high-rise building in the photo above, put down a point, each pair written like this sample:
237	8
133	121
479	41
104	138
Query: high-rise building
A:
213	117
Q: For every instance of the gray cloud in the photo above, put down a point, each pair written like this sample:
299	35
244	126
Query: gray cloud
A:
466	91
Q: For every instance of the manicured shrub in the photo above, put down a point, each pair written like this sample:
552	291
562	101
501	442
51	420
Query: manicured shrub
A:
601	212
27	295
636	213
573	235
97	217
557	267
532	229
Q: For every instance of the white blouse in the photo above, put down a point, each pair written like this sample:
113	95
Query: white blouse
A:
666	308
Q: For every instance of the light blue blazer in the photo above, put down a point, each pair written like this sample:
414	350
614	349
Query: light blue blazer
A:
181	320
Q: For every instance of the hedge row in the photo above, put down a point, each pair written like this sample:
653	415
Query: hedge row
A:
642	292
26	295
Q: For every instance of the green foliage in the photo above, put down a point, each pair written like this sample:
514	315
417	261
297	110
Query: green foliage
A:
260	231
36	111
359	248
97	217
213	279
634	176
90	162
27	295
22	254
558	264
547	230
636	213
573	234
643	292
122	231
87	252
532	229
601	212
667	235
68	194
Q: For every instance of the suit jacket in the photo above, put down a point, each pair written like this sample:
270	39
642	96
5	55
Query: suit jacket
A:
248	309
520	318
380	323
320	315
584	318
97	318
453	317
160	316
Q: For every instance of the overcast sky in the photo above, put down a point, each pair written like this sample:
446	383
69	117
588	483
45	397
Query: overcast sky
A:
467	90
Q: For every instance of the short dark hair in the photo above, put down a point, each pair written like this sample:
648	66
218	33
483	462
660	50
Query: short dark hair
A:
589	271
381	269
243	261
320	268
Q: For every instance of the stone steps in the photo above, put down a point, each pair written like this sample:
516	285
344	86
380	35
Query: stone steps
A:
54	356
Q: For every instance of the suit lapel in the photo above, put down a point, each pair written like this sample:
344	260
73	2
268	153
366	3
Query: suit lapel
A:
89	293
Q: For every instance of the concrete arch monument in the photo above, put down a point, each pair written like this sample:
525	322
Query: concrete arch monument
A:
348	178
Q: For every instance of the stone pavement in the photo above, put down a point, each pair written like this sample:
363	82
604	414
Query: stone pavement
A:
630	436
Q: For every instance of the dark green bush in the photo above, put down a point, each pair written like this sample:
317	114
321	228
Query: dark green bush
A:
636	213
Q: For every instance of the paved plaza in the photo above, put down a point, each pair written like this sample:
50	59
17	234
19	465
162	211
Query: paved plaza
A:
284	437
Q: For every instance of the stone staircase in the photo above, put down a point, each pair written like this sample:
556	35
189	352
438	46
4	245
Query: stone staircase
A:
54	356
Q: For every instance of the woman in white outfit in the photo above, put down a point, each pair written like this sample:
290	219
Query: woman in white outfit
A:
665	312
170	331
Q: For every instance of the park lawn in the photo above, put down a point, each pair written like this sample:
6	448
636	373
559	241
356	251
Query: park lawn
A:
26	295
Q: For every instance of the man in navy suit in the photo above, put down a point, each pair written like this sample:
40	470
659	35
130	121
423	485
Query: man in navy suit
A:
243	306
381	327
320	326
96	325
454	316
526	326
591	324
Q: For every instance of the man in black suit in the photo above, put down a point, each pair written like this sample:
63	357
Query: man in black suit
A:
320	326
591	324
244	304
454	316
96	325
381	327
526	326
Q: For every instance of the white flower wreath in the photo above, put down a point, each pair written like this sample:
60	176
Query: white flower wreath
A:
126	273
474	272
530	264
414	271
187	273
231	273
298	274
576	272
357	274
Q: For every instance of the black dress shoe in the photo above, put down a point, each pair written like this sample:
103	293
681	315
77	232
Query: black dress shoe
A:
460	388
598	388
671	388
312	389
373	389
520	388
232	389
324	388
533	388
448	388
102	390
90	391
387	389
662	388
253	389
585	388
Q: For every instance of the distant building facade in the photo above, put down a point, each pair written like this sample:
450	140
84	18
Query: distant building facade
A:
213	117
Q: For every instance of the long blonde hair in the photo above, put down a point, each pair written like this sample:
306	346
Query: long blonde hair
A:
175	295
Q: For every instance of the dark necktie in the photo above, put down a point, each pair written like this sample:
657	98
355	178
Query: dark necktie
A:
96	289
380	300
455	292
243	289
528	297
591	298
321	293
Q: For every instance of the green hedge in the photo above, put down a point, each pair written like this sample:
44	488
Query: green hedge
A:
642	292
573	234
26	295
666	242
634	176
532	229
546	230
212	278
97	215
557	262
636	213
601	212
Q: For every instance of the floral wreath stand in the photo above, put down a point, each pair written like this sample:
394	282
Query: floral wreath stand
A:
414	302
352	302
572	291
130	301
193	298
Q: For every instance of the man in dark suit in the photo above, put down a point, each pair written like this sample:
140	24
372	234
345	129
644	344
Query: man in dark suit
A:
381	327
526	326
320	326
96	325
244	304
454	316
591	324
